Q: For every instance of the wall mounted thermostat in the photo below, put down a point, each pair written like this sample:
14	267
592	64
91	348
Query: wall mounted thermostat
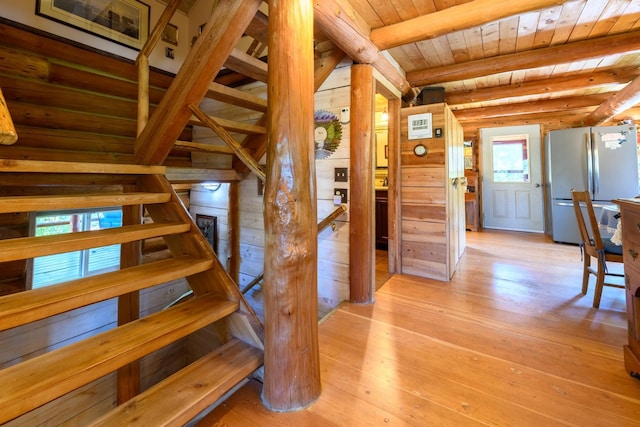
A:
344	115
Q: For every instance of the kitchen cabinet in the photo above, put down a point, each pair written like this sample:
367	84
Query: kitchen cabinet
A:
382	220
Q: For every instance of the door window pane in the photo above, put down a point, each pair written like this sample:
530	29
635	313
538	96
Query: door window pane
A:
511	158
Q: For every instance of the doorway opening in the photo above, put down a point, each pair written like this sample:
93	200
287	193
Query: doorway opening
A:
381	183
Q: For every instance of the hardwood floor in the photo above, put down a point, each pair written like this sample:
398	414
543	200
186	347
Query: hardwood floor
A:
510	341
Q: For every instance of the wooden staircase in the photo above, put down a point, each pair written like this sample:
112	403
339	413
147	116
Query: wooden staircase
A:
50	186
36	381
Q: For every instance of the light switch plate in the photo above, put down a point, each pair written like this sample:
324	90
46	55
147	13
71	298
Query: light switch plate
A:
345	115
341	175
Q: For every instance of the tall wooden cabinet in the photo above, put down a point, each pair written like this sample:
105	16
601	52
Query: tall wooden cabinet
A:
432	192
630	210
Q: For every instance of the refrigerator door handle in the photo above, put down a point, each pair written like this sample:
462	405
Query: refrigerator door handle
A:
596	162
589	165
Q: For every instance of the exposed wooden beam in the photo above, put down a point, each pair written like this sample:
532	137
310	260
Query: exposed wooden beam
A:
552	120
531	107
455	18
626	98
569	52
362	231
211	49
344	27
543	86
291	351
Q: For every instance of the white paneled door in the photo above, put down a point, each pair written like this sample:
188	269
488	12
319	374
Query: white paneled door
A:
512	191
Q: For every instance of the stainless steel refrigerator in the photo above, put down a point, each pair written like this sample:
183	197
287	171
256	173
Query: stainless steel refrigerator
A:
601	160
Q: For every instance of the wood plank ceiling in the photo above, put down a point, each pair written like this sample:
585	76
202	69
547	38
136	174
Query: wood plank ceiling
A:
534	67
506	62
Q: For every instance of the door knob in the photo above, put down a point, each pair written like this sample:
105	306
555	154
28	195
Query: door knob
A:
536	185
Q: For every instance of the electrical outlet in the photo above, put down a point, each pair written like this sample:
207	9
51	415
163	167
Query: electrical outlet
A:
342	192
341	175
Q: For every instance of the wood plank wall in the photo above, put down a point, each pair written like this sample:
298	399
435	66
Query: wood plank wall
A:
333	249
426	213
71	103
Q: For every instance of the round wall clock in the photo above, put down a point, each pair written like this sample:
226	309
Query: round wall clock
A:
420	150
327	133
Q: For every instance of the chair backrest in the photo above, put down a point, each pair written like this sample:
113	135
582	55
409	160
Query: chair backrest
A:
590	234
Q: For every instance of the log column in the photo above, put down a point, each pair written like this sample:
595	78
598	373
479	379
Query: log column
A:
362	227
291	358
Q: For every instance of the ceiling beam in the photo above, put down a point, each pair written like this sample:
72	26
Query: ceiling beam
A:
552	120
626	98
344	27
531	107
567	82
455	18
566	53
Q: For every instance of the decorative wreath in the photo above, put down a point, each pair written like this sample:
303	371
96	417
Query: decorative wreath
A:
327	134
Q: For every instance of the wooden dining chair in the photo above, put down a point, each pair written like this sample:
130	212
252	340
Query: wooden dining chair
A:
594	246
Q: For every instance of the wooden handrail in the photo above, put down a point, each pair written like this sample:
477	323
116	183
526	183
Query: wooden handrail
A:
321	226
8	135
155	35
331	217
143	63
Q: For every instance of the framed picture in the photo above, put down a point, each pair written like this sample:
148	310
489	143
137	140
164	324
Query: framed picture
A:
170	34
208	225
125	22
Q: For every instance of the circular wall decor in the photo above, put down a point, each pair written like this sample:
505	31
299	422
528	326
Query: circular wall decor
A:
327	133
420	150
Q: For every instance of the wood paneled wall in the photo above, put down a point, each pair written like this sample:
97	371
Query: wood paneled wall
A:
71	103
429	207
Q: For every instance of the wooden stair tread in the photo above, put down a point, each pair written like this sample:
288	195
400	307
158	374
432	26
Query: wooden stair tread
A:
44	378
25	307
49	202
9	165
236	97
30	247
199	146
188	392
233	126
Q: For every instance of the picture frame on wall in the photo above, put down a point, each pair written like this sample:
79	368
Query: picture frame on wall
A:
125	22
208	225
170	34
